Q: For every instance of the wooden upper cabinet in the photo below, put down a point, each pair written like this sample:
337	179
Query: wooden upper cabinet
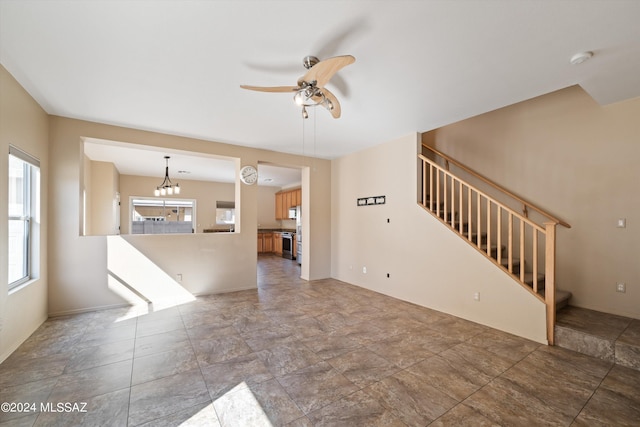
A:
286	200
279	205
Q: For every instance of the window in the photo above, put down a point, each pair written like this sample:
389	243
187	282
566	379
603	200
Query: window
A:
162	216
24	216
225	213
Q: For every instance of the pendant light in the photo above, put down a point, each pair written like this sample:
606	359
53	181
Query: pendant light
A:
167	188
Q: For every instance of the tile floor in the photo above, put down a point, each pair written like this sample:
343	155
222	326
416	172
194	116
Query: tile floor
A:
299	353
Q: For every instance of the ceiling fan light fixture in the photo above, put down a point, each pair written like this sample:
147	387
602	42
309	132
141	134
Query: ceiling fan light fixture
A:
304	96
329	104
299	97
310	91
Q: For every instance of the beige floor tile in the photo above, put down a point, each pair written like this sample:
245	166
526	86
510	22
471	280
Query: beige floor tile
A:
264	404
516	407
109	410
329	345
80	385
159	365
316	386
363	367
357	409
99	355
401	350
298	354
224	376
463	416
213	350
166	396
288	357
200	415
411	399
607	408
456	380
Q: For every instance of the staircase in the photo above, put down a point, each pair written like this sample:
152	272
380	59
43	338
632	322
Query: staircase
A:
518	243
562	297
606	336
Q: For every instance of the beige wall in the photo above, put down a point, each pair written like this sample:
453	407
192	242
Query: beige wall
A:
267	207
80	268
579	161
23	124
105	181
205	193
424	259
85	197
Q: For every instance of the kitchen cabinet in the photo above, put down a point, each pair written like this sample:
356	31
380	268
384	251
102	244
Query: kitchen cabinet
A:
267	242
279	205
290	200
285	200
277	243
260	243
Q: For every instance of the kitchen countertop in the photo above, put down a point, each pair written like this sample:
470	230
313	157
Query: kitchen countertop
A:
276	230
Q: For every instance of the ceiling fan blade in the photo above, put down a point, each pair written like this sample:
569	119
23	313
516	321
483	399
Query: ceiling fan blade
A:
335	111
271	88
324	70
341	37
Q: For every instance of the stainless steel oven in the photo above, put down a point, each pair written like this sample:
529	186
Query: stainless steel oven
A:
288	249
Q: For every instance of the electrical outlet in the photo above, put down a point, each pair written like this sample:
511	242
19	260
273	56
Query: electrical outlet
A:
364	270
179	277
388	275
621	287
476	296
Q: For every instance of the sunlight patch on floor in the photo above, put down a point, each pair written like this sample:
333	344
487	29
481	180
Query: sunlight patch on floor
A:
137	280
240	407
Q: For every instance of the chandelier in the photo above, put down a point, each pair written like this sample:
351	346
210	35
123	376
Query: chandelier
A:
167	187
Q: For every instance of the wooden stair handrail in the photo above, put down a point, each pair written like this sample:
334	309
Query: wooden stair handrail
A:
443	206
496	186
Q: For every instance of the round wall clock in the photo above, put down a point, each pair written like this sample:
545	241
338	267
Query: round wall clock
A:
249	175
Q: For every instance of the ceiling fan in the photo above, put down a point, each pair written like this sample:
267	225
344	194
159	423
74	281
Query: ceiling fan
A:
310	91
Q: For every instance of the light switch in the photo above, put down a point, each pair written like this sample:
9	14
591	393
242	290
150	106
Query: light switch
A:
622	222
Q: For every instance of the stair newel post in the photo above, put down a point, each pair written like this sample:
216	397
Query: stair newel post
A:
550	278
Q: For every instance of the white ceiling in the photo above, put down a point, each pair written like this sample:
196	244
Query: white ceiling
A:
176	66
